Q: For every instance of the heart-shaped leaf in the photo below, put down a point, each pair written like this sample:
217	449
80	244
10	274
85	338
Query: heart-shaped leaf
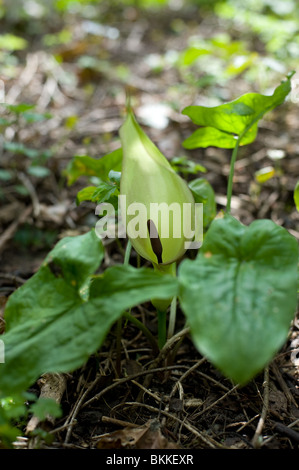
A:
240	293
62	315
222	125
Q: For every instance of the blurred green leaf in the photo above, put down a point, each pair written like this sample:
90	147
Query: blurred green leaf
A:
19	108
114	177
83	165
97	194
45	407
264	174
38	171
10	42
5	175
21	149
191	54
35	117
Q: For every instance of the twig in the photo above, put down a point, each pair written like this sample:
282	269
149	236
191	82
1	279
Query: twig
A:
290	433
256	438
13	278
119	422
283	385
9	232
151	394
164	353
30	188
189	371
217	401
128	379
69	422
214	381
172	318
204	439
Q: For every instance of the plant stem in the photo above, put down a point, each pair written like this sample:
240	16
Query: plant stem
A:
144	329
172	318
127	253
231	175
235	153
119	321
133	319
161	328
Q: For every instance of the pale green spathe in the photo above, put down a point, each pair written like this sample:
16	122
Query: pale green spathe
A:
147	179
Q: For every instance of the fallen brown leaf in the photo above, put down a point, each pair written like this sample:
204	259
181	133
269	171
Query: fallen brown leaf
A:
147	436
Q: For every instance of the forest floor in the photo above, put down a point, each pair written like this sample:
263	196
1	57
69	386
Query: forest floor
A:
186	403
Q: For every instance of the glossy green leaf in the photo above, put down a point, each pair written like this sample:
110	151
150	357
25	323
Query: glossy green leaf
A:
240	294
54	324
203	193
223	124
85	194
58	282
103	192
83	165
209	136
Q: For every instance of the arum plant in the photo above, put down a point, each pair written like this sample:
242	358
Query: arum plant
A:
238	295
160	232
149	183
233	124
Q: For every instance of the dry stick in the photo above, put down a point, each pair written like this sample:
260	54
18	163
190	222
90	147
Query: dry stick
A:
120	381
217	401
214	381
205	439
71	420
128	379
283	385
185	375
178	384
256	438
164	353
30	188
119	422
151	394
13	278
290	433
